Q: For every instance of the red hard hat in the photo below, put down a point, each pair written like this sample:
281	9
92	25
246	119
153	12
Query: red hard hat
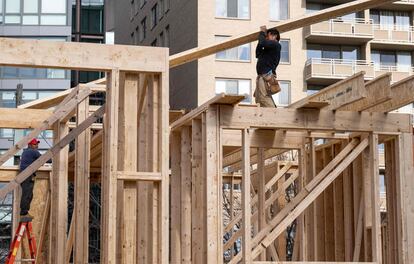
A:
34	142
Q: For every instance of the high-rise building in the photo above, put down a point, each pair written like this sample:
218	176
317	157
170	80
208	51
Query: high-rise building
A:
375	41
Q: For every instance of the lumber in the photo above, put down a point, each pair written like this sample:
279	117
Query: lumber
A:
138	176
309	119
70	239
176	197
246	203
16	52
50	153
402	93
337	95
285	26
23	118
378	91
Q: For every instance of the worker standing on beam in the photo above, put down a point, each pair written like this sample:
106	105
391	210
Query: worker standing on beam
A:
29	155
268	57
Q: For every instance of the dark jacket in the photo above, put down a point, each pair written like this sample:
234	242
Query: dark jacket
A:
28	157
268	55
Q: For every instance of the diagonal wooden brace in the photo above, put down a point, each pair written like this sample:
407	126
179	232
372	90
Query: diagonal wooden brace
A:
51	152
64	109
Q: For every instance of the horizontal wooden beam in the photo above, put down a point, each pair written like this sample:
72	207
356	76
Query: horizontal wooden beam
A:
261	138
23	118
402	94
312	119
8	173
138	176
337	95
285	26
81	56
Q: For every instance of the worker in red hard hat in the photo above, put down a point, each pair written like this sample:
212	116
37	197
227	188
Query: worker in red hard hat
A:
29	155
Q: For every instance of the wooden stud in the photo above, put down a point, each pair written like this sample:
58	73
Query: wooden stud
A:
246	205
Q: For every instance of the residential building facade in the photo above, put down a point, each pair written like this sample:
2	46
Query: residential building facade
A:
375	41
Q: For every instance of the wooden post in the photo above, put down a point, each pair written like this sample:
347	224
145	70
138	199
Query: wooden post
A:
185	195
198	194
176	197
246	206
109	180
212	174
81	196
261	193
59	199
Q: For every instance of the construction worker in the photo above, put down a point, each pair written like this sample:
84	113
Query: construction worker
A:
29	155
268	57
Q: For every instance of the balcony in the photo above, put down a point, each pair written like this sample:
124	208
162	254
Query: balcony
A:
397	72
327	71
393	37
401	5
347	31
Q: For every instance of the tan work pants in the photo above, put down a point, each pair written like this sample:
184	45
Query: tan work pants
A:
260	94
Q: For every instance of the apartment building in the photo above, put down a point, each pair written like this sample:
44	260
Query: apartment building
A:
375	41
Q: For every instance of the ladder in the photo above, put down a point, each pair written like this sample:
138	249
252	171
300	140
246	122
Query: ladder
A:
25	225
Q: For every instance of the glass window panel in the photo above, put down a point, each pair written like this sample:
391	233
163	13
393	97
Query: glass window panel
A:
403	61
279	9
55	74
243	8
29	96
284	53
12	19
314	52
402	20
350	53
231	8
45	94
231	87
244	52
376	58
283	97
7	95
221	8
374	15
30	6
331	52
1	7
6	133
53	20
12	6
54	6
244	89
10	72
386	19
27	73
388	59
220	86
30	20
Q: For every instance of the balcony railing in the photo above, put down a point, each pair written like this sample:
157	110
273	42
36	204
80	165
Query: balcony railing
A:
404	2
397	72
340	68
394	33
357	27
337	68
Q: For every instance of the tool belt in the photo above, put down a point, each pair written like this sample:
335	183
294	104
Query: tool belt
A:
271	83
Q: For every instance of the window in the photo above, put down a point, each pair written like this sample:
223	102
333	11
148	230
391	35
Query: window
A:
400	59
30	6
279	10
6	133
154	13
233	8
12	6
161	9
143	34
7	99
333	52
240	53
234	86
387	19
54	6
283	97
285	51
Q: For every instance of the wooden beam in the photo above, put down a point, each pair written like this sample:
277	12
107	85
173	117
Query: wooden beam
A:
138	176
176	197
313	119
81	187
246	204
59	195
69	241
337	95
402	93
378	91
218	99
285	26
23	118
78	56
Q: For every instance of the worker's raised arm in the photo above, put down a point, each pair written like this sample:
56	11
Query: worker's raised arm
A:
263	42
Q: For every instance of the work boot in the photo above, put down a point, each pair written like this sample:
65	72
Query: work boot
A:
26	218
